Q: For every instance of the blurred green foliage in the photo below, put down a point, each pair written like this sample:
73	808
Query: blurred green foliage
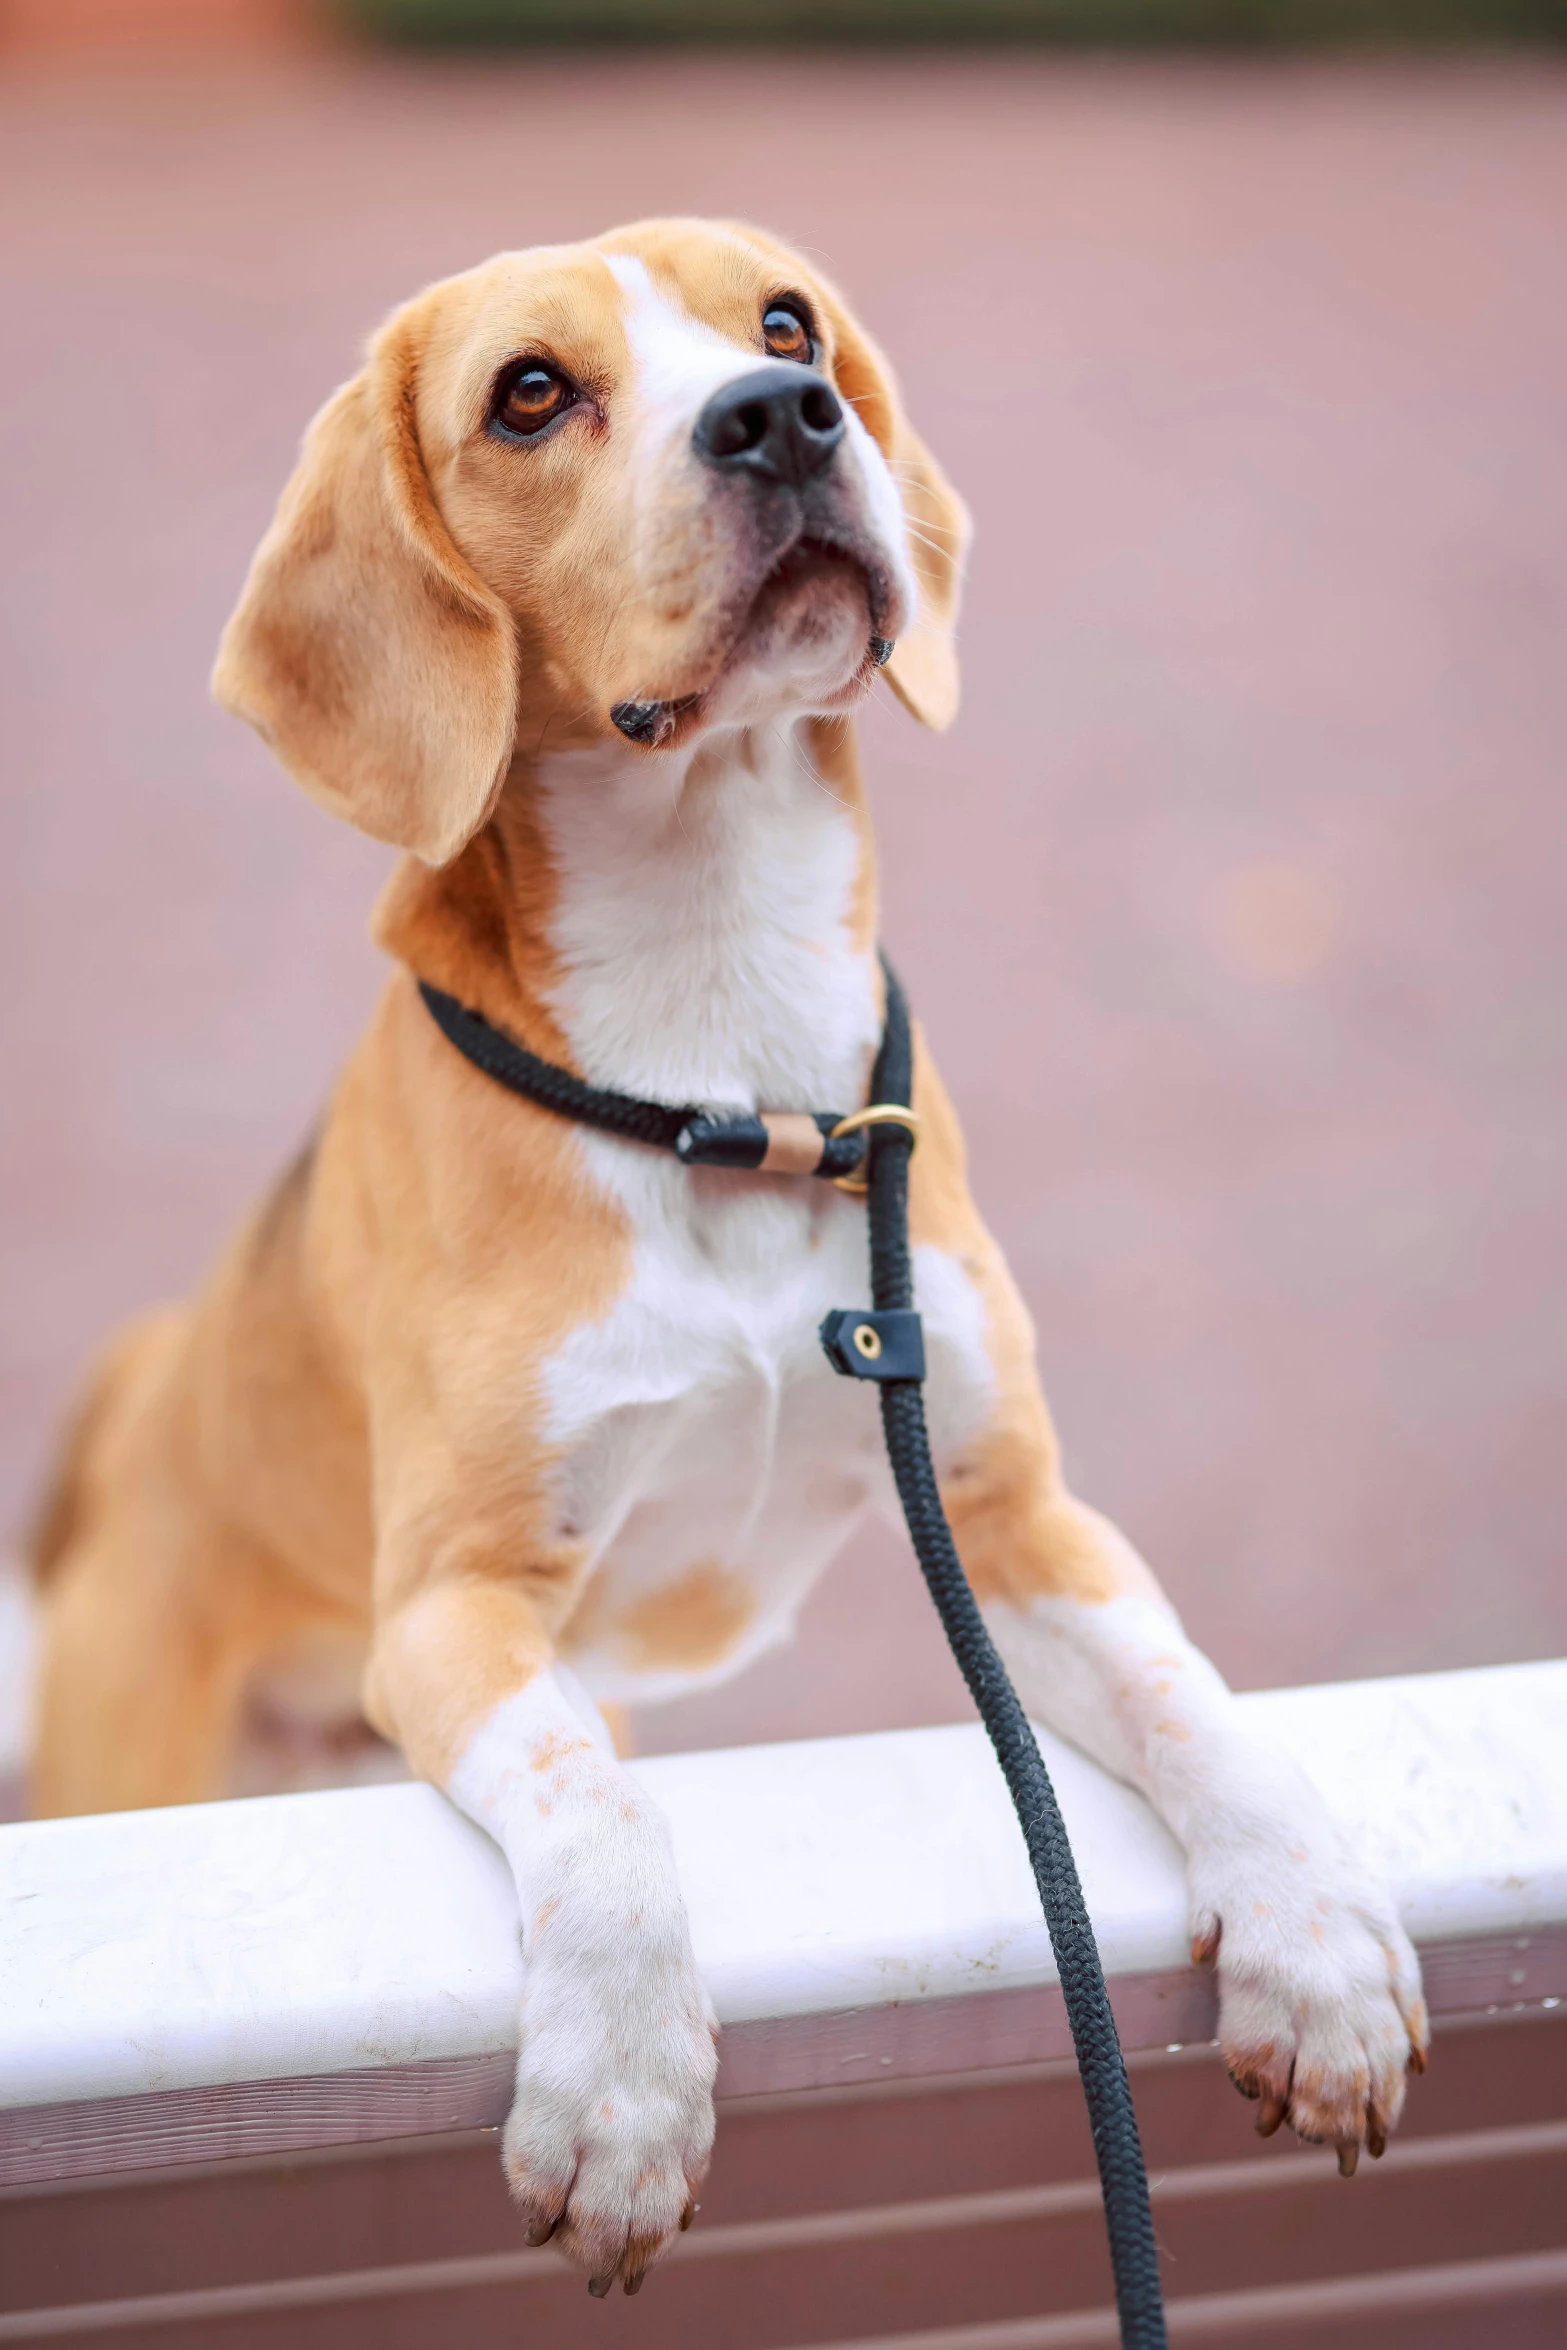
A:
958	21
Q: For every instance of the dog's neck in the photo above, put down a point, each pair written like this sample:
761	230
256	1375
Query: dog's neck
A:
685	927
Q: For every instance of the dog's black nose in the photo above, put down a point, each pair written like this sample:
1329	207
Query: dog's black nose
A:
782	423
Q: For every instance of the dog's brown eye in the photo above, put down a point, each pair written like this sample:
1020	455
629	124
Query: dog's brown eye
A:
532	398
787	334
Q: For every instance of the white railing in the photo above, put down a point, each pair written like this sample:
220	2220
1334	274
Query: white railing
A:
310	1970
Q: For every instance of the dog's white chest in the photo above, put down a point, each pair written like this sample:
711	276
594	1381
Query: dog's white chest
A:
713	1460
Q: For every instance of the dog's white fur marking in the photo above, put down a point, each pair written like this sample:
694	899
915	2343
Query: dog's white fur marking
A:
680	361
702	923
617	2056
702	930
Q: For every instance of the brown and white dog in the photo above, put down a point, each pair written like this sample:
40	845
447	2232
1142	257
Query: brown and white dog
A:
529	1417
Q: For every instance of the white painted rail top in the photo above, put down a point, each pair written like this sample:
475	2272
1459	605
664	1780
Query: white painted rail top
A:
309	1969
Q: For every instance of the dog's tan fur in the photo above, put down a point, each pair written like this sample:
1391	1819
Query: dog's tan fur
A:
353	1299
381	1286
344	1439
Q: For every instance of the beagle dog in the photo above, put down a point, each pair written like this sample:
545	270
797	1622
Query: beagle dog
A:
572	597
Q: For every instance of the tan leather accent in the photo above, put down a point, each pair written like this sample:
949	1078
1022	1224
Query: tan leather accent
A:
794	1143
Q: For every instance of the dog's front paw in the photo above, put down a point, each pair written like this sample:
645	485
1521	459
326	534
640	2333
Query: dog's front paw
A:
612	2126
1320	2012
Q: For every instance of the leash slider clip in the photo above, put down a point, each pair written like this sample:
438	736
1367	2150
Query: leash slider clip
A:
862	1344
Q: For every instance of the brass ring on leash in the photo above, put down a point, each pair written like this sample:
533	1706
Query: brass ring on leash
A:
878	1114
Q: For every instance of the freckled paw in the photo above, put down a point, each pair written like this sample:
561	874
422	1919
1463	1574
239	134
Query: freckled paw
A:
609	2137
1320	2014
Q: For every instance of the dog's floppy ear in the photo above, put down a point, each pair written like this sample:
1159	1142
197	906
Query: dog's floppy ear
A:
923	671
364	649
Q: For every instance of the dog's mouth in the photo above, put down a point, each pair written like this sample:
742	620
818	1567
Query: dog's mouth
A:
811	562
809	590
820	566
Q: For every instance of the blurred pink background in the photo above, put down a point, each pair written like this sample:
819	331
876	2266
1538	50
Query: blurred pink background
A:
1234	903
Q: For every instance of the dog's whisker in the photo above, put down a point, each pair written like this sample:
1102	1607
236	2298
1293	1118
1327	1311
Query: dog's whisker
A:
806	766
923	539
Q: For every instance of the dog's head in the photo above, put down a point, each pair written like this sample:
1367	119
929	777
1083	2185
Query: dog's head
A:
659	483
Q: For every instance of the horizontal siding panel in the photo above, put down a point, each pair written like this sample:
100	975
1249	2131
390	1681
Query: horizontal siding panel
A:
1474	2305
1452	2306
430	2199
962	2260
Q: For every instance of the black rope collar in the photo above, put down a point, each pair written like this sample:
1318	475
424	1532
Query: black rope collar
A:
771	1142
886	1345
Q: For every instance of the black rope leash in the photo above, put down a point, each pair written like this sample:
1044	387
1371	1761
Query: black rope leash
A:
887	1345
1122	2178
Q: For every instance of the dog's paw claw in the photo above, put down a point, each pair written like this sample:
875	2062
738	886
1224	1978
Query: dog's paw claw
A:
1320	2014
609	2137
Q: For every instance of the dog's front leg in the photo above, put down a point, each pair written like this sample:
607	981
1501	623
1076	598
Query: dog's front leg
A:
1320	2013
612	2126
